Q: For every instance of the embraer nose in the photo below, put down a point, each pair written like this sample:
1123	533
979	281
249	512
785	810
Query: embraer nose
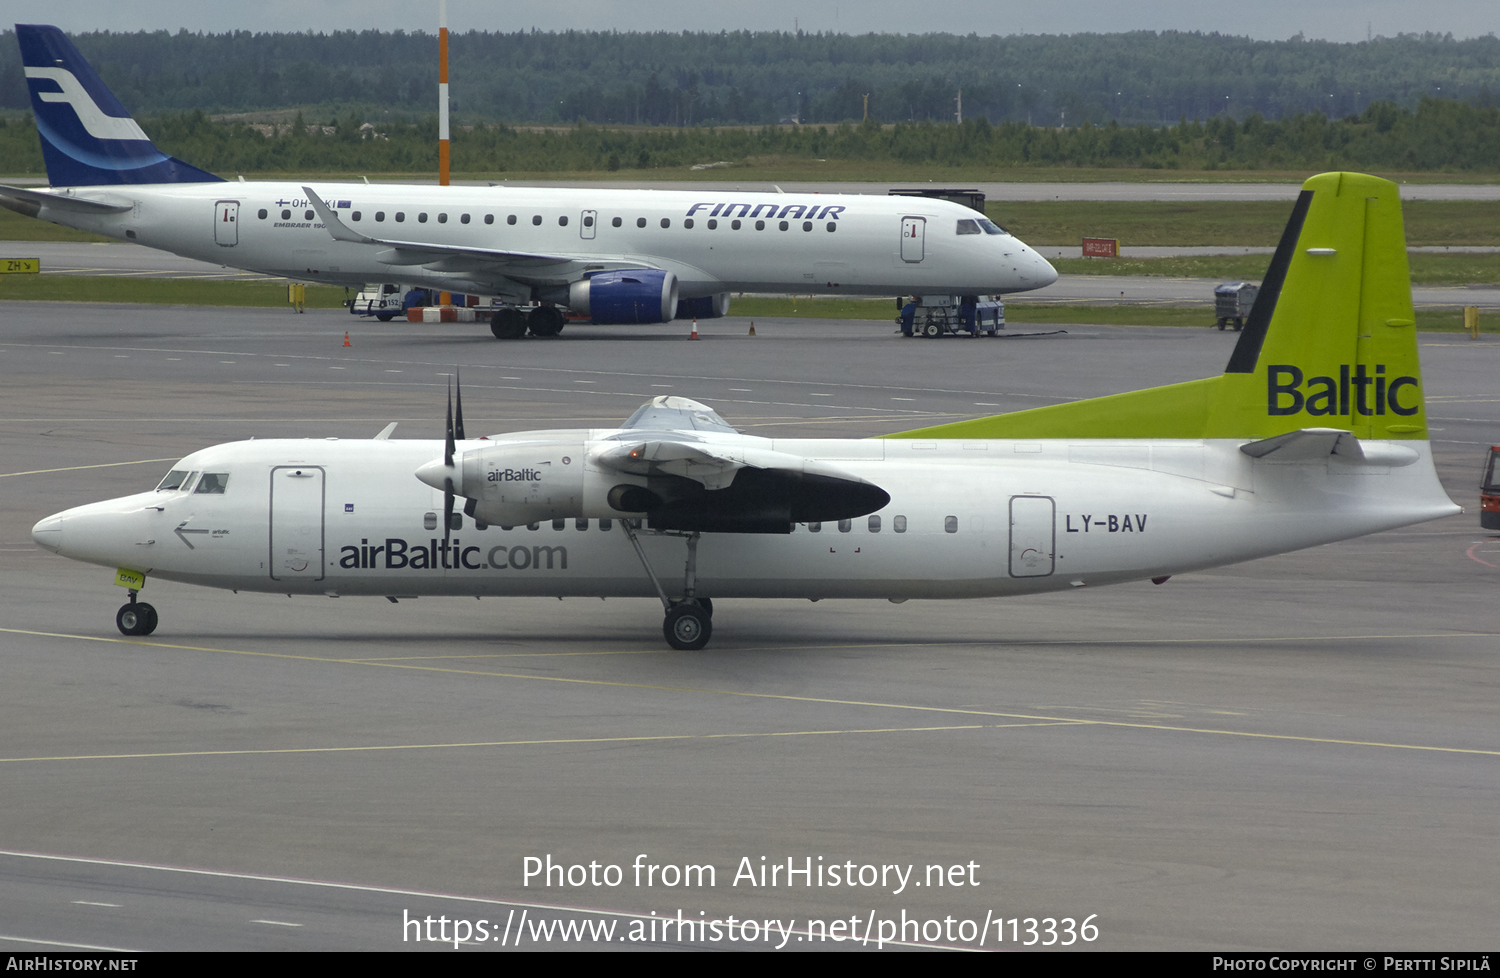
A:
48	534
1044	272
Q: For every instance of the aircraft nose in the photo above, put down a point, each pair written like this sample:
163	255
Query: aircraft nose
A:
1043	271
48	534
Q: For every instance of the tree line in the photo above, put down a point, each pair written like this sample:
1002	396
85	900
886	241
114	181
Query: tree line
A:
756	78
1438	135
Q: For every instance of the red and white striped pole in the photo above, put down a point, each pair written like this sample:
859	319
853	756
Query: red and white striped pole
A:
443	93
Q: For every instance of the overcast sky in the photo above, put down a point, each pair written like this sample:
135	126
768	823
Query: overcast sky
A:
1338	20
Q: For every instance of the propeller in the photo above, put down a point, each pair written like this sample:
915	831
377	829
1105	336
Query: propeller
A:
448	466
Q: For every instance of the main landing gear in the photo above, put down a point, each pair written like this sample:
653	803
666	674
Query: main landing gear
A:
689	622
136	617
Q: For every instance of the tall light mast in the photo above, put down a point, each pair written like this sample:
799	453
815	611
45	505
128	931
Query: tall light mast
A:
443	93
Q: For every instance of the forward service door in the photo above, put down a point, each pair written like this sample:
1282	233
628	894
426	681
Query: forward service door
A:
227	223
296	523
588	225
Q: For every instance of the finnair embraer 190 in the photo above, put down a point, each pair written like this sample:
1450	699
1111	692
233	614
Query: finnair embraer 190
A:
1315	432
617	256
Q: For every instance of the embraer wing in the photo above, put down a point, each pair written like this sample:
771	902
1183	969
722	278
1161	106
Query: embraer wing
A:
521	266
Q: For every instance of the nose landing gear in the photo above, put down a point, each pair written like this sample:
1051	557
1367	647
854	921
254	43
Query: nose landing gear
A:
136	617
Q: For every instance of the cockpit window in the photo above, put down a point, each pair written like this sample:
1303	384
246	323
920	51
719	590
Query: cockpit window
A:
990	227
212	483
968	227
176	479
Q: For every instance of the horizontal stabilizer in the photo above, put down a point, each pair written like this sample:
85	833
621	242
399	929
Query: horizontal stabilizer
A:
30	202
1321	444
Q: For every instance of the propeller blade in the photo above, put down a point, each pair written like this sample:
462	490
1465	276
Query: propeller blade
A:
448	447
447	510
458	413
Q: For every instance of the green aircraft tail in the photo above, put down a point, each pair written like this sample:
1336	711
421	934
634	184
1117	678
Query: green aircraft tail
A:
1330	343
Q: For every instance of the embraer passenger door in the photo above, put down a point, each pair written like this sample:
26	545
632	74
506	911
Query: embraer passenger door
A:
587	225
296	523
227	223
913	238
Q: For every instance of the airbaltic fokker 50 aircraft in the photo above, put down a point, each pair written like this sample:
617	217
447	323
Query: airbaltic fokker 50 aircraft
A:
617	256
1315	432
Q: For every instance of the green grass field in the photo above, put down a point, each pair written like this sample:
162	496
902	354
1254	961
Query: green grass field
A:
160	291
1426	269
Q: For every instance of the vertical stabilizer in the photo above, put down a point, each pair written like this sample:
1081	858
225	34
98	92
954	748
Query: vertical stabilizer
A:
1330	343
88	139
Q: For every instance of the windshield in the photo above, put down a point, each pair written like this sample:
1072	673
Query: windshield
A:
176	479
212	483
990	227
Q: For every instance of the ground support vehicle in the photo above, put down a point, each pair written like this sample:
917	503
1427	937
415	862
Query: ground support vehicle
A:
1232	303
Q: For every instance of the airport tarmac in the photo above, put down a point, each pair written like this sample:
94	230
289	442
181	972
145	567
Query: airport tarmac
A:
1293	754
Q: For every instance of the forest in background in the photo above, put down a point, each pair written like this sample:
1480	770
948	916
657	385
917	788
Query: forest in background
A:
1441	135
759	78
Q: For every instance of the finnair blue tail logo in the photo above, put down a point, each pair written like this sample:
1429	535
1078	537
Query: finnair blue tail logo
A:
93	119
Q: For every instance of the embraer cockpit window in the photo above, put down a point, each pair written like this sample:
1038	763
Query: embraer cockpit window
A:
212	483
176	479
990	227
968	227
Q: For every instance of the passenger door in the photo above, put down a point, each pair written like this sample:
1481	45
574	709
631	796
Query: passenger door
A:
1032	536
296	523
587	224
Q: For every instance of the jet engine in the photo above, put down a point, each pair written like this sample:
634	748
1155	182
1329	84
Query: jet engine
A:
704	307
626	297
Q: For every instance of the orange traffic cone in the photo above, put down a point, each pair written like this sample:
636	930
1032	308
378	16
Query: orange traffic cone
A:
752	327
694	334
346	338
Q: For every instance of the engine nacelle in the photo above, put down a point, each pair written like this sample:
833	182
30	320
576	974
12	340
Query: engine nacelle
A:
626	297
704	307
533	482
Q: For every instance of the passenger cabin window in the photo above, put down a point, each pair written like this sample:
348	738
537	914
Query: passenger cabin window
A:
422	218
615	223
760	225
354	216
640	222
562	222
490	219
429	521
968	227
286	215
713	225
560	524
898	523
815	528
400	216
442	218
784	225
581	524
463	219
874	524
833	226
666	222
734	225
261	213
308	215
605	523
845	526
688	223
536	219
212	484
380	215
950	524
807	225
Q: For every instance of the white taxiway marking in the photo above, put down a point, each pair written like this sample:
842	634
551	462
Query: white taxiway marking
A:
278	923
79	947
94	903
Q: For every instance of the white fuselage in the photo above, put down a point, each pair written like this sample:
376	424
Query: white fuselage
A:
965	519
800	243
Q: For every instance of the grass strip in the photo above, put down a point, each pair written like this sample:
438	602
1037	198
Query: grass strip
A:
161	291
1426	269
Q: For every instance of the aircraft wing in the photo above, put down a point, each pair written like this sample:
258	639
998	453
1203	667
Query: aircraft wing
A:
713	466
521	266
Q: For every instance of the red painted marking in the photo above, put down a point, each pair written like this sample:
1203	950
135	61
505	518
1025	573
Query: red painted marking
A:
1470	554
